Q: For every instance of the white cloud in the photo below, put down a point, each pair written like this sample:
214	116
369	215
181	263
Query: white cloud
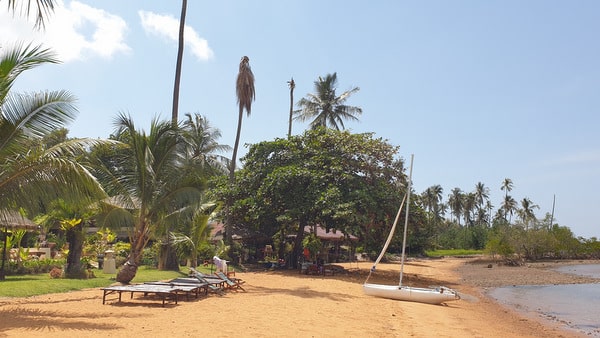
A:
73	32
168	27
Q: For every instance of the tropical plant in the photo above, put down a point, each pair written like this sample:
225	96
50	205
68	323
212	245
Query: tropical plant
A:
325	108
526	213
28	167
201	147
144	180
42	8
507	185
192	240
456	203
245	93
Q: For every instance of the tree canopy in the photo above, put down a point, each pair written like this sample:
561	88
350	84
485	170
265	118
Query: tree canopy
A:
339	180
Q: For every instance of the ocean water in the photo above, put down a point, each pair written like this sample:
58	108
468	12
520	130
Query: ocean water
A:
573	306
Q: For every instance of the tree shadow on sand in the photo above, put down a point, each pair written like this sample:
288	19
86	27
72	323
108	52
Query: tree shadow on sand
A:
51	320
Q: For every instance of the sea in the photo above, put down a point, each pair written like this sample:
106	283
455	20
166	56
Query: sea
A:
574	306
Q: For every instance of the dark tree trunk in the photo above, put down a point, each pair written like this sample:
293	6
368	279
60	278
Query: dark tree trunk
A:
175	112
167	258
298	248
75	240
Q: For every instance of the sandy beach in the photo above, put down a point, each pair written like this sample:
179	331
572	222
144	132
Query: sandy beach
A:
289	304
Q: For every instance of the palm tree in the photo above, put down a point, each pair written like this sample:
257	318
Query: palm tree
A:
481	196
292	86
43	9
507	186
455	202
509	206
175	111
526	213
146	186
326	108
201	146
27	166
244	90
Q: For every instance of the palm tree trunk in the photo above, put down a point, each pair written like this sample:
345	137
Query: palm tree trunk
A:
175	112
235	146
138	242
75	239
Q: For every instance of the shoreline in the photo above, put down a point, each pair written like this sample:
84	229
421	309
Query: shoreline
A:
286	303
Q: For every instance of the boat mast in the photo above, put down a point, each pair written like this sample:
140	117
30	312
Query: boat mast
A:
412	156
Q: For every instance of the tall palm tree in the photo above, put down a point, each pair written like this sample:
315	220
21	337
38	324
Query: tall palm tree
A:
27	166
325	108
43	9
509	206
455	202
292	86
245	93
201	146
146	187
526	213
175	111
507	186
482	194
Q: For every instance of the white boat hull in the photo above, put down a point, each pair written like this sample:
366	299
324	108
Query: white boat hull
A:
436	295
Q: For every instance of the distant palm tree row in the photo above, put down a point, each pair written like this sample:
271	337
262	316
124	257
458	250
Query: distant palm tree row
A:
475	208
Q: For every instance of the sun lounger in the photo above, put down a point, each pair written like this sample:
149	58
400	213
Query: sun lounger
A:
215	285
188	288
231	284
164	292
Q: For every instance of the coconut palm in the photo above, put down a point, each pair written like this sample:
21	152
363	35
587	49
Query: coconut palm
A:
509	205
526	213
244	91
455	202
482	194
201	146
146	186
325	108
29	167
175	111
42	8
507	186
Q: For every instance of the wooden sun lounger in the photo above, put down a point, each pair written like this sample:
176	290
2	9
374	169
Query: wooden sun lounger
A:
213	284
164	292
233	284
188	288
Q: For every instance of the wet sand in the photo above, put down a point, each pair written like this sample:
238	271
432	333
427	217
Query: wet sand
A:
289	304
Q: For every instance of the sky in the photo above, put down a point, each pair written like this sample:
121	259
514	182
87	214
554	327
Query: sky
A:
478	91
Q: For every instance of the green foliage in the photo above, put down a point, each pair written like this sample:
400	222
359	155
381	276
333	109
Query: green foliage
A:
343	181
313	244
150	255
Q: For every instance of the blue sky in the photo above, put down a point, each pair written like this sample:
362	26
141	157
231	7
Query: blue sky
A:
478	91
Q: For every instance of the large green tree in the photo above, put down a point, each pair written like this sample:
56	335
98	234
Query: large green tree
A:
325	108
342	181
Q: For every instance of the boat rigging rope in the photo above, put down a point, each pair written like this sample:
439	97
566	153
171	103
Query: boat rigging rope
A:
389	239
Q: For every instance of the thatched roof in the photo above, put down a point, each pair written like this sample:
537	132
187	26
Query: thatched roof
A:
12	220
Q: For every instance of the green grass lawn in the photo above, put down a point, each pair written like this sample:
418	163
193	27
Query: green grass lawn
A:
31	285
